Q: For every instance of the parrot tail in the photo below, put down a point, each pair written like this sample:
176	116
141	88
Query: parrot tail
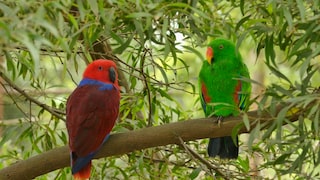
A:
81	166
84	173
223	147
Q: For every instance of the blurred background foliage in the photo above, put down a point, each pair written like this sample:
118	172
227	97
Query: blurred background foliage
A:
159	47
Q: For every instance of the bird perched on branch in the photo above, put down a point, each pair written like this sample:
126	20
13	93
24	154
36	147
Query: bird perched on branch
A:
92	110
223	91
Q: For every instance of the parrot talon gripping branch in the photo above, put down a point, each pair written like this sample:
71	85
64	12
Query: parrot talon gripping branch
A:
222	93
219	120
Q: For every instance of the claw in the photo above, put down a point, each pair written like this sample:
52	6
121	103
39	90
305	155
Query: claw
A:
219	120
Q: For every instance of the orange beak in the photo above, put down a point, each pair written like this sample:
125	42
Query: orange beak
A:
209	54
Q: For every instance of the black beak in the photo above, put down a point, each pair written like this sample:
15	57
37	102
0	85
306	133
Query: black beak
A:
112	74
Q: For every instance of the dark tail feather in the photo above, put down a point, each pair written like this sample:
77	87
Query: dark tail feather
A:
84	173
223	147
79	162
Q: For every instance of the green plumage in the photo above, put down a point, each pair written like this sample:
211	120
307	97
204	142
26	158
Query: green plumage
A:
222	92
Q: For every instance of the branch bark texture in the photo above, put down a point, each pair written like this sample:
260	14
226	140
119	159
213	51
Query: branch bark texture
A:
122	143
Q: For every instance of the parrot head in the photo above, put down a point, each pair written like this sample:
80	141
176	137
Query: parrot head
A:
220	50
102	70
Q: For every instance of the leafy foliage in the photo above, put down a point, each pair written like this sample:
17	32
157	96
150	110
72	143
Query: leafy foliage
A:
158	48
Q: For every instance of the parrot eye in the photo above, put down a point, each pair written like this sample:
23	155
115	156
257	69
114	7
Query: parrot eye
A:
221	46
112	74
100	68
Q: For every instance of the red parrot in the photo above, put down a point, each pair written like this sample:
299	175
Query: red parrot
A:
92	110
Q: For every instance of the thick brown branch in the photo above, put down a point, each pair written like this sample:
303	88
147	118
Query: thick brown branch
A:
122	143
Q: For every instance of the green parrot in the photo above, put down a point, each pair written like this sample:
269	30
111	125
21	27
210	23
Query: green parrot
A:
222	93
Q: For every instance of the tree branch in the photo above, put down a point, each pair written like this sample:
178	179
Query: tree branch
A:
55	112
122	143
195	155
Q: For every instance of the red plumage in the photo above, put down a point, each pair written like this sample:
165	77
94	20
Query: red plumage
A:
237	92
204	92
92	110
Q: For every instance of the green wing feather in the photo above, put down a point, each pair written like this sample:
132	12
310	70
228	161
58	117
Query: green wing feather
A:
244	94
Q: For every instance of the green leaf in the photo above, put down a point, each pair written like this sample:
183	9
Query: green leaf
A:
164	94
138	15
246	121
235	131
315	122
123	46
82	10
240	39
10	65
164	75
300	159
244	163
269	50
139	29
165	28
279	120
242	7
166	49
34	52
94	8
254	134
281	159
288	17
195	173
73	21
243	20
276	71
302	40
49	27
302	10
194	51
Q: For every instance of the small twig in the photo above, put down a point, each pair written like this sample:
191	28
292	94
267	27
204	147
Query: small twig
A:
191	153
159	83
67	70
44	106
157	160
155	81
195	155
14	100
30	111
145	80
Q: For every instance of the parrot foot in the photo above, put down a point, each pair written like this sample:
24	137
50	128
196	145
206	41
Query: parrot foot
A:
219	120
